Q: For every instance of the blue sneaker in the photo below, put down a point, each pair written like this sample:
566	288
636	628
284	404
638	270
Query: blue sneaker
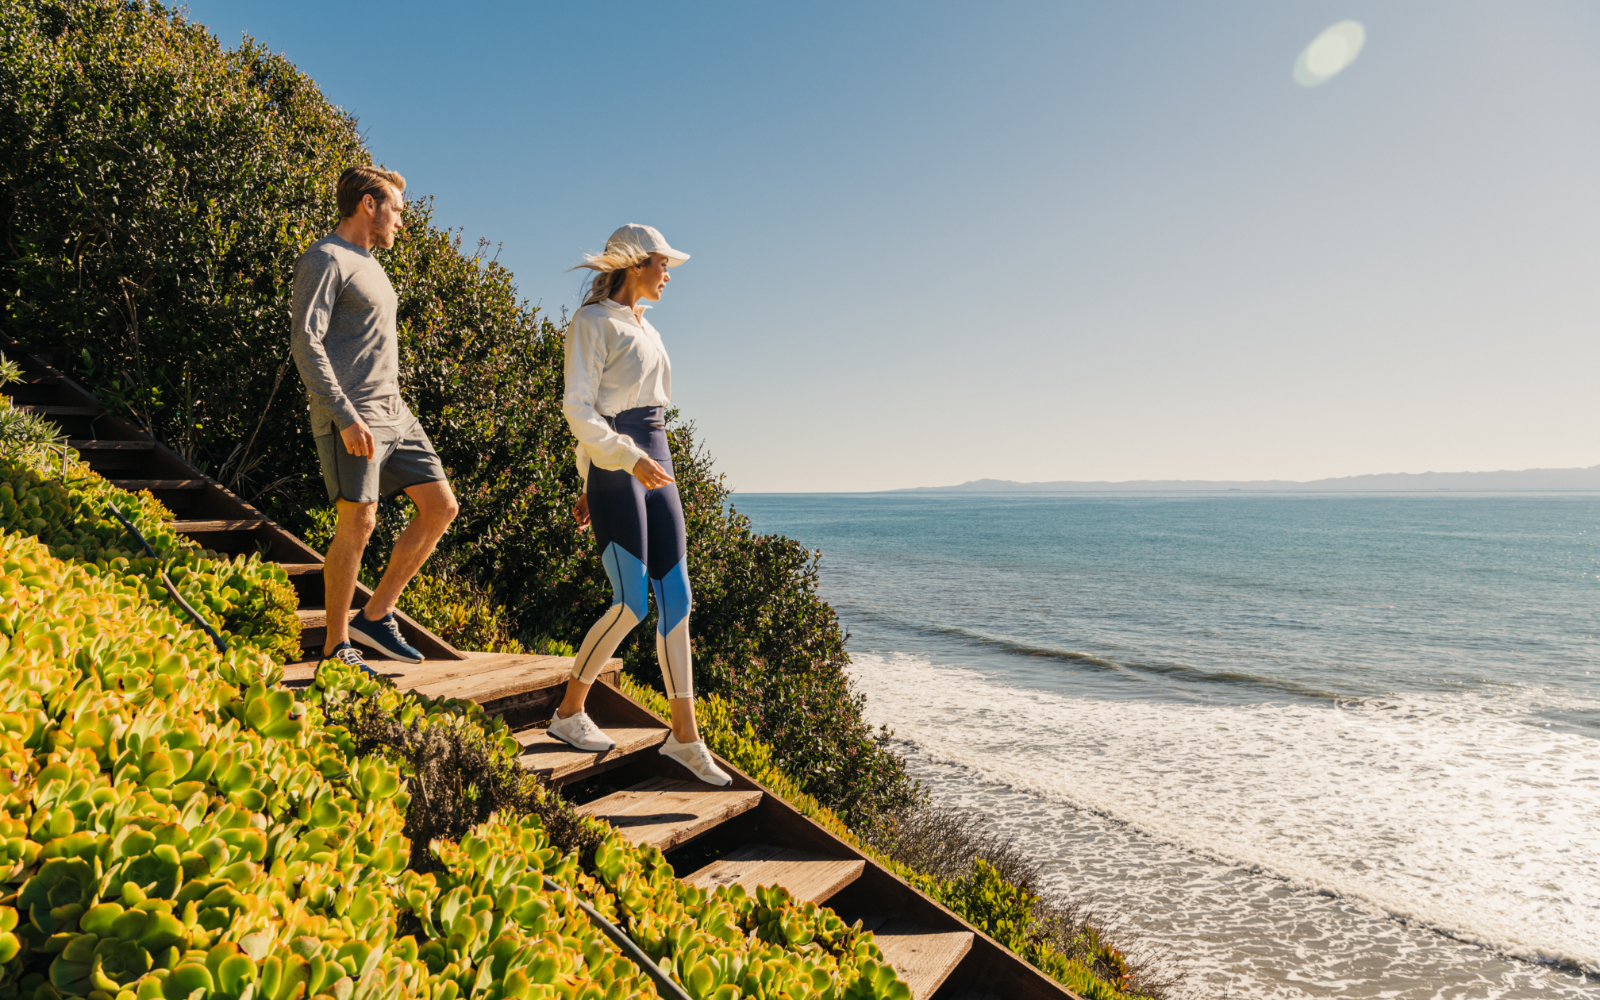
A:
351	657
384	636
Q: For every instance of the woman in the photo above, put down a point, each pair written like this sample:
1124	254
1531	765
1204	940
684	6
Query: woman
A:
619	383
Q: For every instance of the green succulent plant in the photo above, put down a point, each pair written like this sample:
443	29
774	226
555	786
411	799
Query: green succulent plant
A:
177	830
63	504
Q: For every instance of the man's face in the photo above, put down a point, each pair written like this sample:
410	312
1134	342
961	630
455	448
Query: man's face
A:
386	219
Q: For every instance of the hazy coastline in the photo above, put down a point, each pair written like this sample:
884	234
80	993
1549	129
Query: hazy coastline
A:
1524	479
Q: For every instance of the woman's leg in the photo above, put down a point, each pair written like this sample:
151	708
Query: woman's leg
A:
669	578
617	512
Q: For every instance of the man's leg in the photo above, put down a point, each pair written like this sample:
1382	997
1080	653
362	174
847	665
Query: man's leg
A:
436	508
354	528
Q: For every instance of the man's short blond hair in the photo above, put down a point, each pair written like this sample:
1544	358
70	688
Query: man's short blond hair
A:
358	182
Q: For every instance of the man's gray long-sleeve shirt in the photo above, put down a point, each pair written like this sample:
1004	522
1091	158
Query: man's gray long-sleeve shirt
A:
343	337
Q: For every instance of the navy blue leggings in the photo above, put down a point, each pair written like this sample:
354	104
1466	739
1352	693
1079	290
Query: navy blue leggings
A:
642	545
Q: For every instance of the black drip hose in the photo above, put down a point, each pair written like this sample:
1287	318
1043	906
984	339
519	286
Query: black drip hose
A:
664	983
205	626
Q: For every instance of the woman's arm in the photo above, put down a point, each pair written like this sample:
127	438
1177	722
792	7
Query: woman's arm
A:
586	351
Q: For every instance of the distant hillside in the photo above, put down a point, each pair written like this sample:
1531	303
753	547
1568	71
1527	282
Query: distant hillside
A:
1526	479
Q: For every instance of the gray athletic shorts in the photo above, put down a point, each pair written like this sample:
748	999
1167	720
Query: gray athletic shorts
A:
402	456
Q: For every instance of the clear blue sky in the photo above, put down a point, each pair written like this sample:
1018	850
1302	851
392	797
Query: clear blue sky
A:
936	242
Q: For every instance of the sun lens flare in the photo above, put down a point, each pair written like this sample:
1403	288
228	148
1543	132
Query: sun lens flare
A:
1329	53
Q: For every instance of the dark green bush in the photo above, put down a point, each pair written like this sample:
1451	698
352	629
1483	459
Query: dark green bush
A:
157	188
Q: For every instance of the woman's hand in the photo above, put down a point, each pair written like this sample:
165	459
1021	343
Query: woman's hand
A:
650	474
580	510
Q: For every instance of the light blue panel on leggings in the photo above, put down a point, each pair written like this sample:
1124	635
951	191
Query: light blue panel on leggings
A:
627	579
672	597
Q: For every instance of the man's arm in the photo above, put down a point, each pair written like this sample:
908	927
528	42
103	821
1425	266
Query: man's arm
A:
317	283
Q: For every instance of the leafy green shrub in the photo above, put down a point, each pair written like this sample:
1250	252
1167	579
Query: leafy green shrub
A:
62	502
461	766
460	612
158	189
177	830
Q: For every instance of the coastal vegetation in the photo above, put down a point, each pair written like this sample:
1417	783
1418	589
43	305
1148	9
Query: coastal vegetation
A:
178	825
158	188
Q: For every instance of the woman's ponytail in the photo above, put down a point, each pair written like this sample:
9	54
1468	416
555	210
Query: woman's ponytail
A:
610	271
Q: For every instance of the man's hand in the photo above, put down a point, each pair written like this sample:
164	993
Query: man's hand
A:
358	439
580	510
650	474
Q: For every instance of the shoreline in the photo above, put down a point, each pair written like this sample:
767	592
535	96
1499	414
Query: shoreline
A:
1116	866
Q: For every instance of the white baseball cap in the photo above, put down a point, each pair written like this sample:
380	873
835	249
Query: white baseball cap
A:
645	239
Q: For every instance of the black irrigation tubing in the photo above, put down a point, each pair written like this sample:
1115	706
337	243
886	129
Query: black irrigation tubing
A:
664	983
205	626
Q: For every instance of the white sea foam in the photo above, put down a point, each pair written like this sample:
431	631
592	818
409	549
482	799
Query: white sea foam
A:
1455	814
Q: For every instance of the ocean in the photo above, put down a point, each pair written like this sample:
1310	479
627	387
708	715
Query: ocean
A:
1304	745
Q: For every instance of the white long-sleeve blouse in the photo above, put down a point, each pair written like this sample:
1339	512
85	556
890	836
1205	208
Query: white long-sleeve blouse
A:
614	362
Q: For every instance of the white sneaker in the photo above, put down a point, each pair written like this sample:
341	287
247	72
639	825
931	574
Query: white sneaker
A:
580	731
697	759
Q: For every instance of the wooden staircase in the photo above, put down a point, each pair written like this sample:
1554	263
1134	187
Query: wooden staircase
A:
742	834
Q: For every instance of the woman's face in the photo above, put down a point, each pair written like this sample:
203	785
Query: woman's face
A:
651	278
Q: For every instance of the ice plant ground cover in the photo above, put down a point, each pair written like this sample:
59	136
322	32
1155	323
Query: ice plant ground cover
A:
179	825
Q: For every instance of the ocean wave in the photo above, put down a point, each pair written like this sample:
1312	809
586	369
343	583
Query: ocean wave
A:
1180	671
1490	695
1449	812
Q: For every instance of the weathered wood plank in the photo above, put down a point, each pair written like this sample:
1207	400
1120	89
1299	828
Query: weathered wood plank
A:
311	618
492	681
135	485
196	527
433	677
808	877
100	444
922	957
556	761
664	812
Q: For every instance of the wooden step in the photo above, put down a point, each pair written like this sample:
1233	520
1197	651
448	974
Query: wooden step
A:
810	878
197	527
135	485
486	678
559	763
311	618
303	672
51	410
922	957
101	444
665	812
490	677
301	569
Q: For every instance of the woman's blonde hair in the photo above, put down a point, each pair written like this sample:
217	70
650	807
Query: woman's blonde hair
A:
610	271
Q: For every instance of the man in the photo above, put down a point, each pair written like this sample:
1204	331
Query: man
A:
370	444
